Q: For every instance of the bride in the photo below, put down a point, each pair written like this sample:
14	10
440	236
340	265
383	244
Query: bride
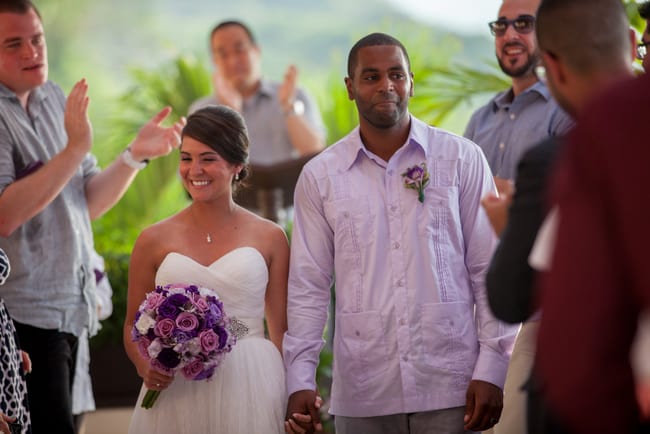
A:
244	258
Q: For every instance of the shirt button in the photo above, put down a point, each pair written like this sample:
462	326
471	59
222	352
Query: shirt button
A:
405	358
400	283
390	172
357	333
502	146
512	116
402	322
346	214
393	208
395	245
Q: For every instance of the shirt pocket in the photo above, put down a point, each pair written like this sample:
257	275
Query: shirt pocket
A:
449	338
353	225
362	353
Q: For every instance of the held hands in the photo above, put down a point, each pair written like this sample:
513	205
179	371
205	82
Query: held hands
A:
76	121
287	91
303	413
227	94
154	140
496	205
483	407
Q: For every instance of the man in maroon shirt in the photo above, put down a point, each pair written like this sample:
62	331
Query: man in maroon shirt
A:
598	283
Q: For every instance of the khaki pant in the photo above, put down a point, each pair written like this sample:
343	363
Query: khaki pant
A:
513	418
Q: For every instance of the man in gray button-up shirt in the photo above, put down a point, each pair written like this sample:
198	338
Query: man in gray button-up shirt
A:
50	189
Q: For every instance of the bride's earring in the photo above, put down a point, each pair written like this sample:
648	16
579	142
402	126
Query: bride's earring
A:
237	176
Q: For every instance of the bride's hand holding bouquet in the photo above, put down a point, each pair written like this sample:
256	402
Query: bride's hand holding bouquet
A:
183	328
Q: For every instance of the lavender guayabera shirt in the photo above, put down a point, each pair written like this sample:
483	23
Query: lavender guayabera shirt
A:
413	325
266	124
507	126
51	285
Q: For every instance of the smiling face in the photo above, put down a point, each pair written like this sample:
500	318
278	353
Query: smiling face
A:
23	53
516	52
206	175
381	86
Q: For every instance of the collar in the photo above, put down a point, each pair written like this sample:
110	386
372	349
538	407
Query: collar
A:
36	94
506	98
417	138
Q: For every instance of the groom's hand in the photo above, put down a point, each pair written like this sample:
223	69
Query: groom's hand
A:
302	413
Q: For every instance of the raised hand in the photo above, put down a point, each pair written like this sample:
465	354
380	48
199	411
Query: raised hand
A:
226	92
287	91
76	121
154	140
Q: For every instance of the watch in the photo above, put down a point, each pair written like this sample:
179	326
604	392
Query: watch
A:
296	109
128	159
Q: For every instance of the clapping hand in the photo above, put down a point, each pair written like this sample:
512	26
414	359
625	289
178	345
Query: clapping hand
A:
287	91
154	140
76	121
496	206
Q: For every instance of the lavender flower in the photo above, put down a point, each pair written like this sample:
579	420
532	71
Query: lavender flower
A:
417	178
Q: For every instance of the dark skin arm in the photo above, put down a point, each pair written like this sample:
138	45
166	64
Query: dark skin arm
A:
484	405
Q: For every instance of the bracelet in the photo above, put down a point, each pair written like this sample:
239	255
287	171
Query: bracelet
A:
297	108
128	159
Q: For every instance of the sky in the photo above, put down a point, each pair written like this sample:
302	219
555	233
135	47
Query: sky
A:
464	16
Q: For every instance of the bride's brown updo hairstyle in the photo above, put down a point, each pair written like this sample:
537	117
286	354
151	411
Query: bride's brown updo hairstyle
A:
223	130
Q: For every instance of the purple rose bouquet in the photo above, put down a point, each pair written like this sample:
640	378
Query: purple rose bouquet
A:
183	328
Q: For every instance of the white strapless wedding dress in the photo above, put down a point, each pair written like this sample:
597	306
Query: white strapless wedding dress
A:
247	393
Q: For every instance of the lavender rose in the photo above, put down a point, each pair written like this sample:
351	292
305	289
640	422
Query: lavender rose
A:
192	369
209	340
187	322
164	328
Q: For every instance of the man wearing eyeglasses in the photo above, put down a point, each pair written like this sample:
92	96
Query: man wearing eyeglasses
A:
505	128
642	47
526	113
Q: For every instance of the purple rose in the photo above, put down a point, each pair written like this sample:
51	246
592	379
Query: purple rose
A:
182	336
164	328
168	358
415	173
187	322
209	340
223	337
178	299
143	344
200	304
205	374
153	300
192	289
168	309
192	369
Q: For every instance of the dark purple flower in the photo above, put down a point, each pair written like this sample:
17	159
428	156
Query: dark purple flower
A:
178	299
168	358
168	309
223	336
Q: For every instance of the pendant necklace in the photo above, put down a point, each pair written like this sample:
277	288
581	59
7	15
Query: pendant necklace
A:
208	237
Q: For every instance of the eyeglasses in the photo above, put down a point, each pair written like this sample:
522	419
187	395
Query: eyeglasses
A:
642	50
522	24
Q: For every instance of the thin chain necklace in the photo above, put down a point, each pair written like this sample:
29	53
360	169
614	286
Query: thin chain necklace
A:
208	237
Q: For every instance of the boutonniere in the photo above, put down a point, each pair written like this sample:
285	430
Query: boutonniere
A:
417	178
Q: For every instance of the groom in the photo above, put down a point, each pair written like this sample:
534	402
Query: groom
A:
393	212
